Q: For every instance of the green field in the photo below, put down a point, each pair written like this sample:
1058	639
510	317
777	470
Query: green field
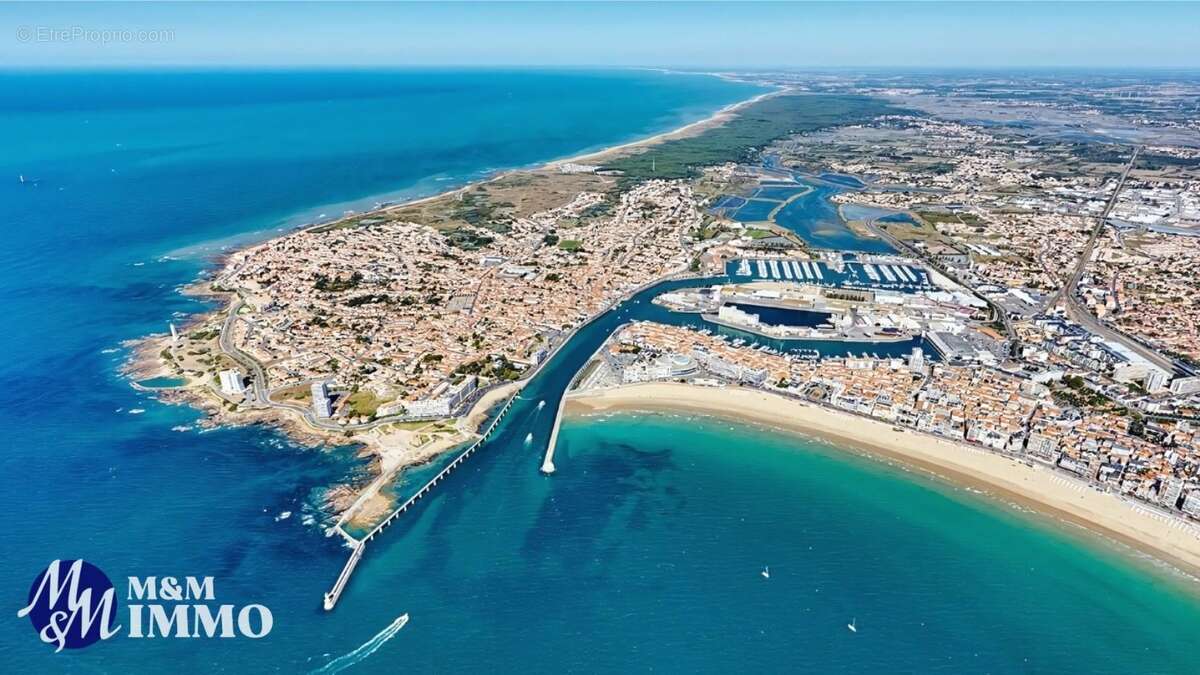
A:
756	126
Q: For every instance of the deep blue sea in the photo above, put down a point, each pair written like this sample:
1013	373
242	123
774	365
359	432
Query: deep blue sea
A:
642	553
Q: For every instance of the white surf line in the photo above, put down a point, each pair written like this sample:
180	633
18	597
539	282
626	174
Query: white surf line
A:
366	649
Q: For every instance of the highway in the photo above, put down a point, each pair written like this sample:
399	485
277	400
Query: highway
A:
1068	290
1077	312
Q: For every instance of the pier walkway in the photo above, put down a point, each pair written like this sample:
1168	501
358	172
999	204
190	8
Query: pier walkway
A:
358	548
548	462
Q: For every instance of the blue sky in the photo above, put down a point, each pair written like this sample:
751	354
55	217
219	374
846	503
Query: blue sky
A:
680	34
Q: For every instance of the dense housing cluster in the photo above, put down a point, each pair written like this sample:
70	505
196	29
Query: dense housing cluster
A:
1012	412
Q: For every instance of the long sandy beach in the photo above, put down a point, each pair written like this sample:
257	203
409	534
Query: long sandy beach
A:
718	118
686	131
1038	487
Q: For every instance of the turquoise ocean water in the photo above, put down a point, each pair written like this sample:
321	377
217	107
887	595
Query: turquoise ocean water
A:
642	553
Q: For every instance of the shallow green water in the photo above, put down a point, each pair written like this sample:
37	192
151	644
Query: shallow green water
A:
938	578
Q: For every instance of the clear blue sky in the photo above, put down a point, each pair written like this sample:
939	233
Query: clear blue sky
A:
737	34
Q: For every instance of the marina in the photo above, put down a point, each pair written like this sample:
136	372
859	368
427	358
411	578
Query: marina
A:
592	368
860	272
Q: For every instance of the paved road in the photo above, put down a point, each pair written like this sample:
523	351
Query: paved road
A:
1068	289
259	395
902	247
1078	312
258	384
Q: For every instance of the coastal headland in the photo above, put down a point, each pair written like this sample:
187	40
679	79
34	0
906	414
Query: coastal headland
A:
398	329
1005	478
472	289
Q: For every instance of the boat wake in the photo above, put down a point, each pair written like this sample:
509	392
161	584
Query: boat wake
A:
366	649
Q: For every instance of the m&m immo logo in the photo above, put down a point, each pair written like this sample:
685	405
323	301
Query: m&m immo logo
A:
72	604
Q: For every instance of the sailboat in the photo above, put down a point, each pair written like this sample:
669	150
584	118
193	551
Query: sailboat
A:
853	628
766	573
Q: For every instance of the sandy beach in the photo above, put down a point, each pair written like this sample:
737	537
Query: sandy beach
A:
716	119
1038	487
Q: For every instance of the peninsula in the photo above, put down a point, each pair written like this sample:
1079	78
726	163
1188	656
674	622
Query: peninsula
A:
397	329
969	294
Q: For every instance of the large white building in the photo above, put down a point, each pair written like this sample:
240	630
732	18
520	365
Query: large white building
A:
916	360
321	403
1169	492
1191	503
1185	385
1133	367
732	314
445	400
665	367
727	369
231	383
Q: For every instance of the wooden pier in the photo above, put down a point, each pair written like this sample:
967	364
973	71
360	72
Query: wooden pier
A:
360	545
